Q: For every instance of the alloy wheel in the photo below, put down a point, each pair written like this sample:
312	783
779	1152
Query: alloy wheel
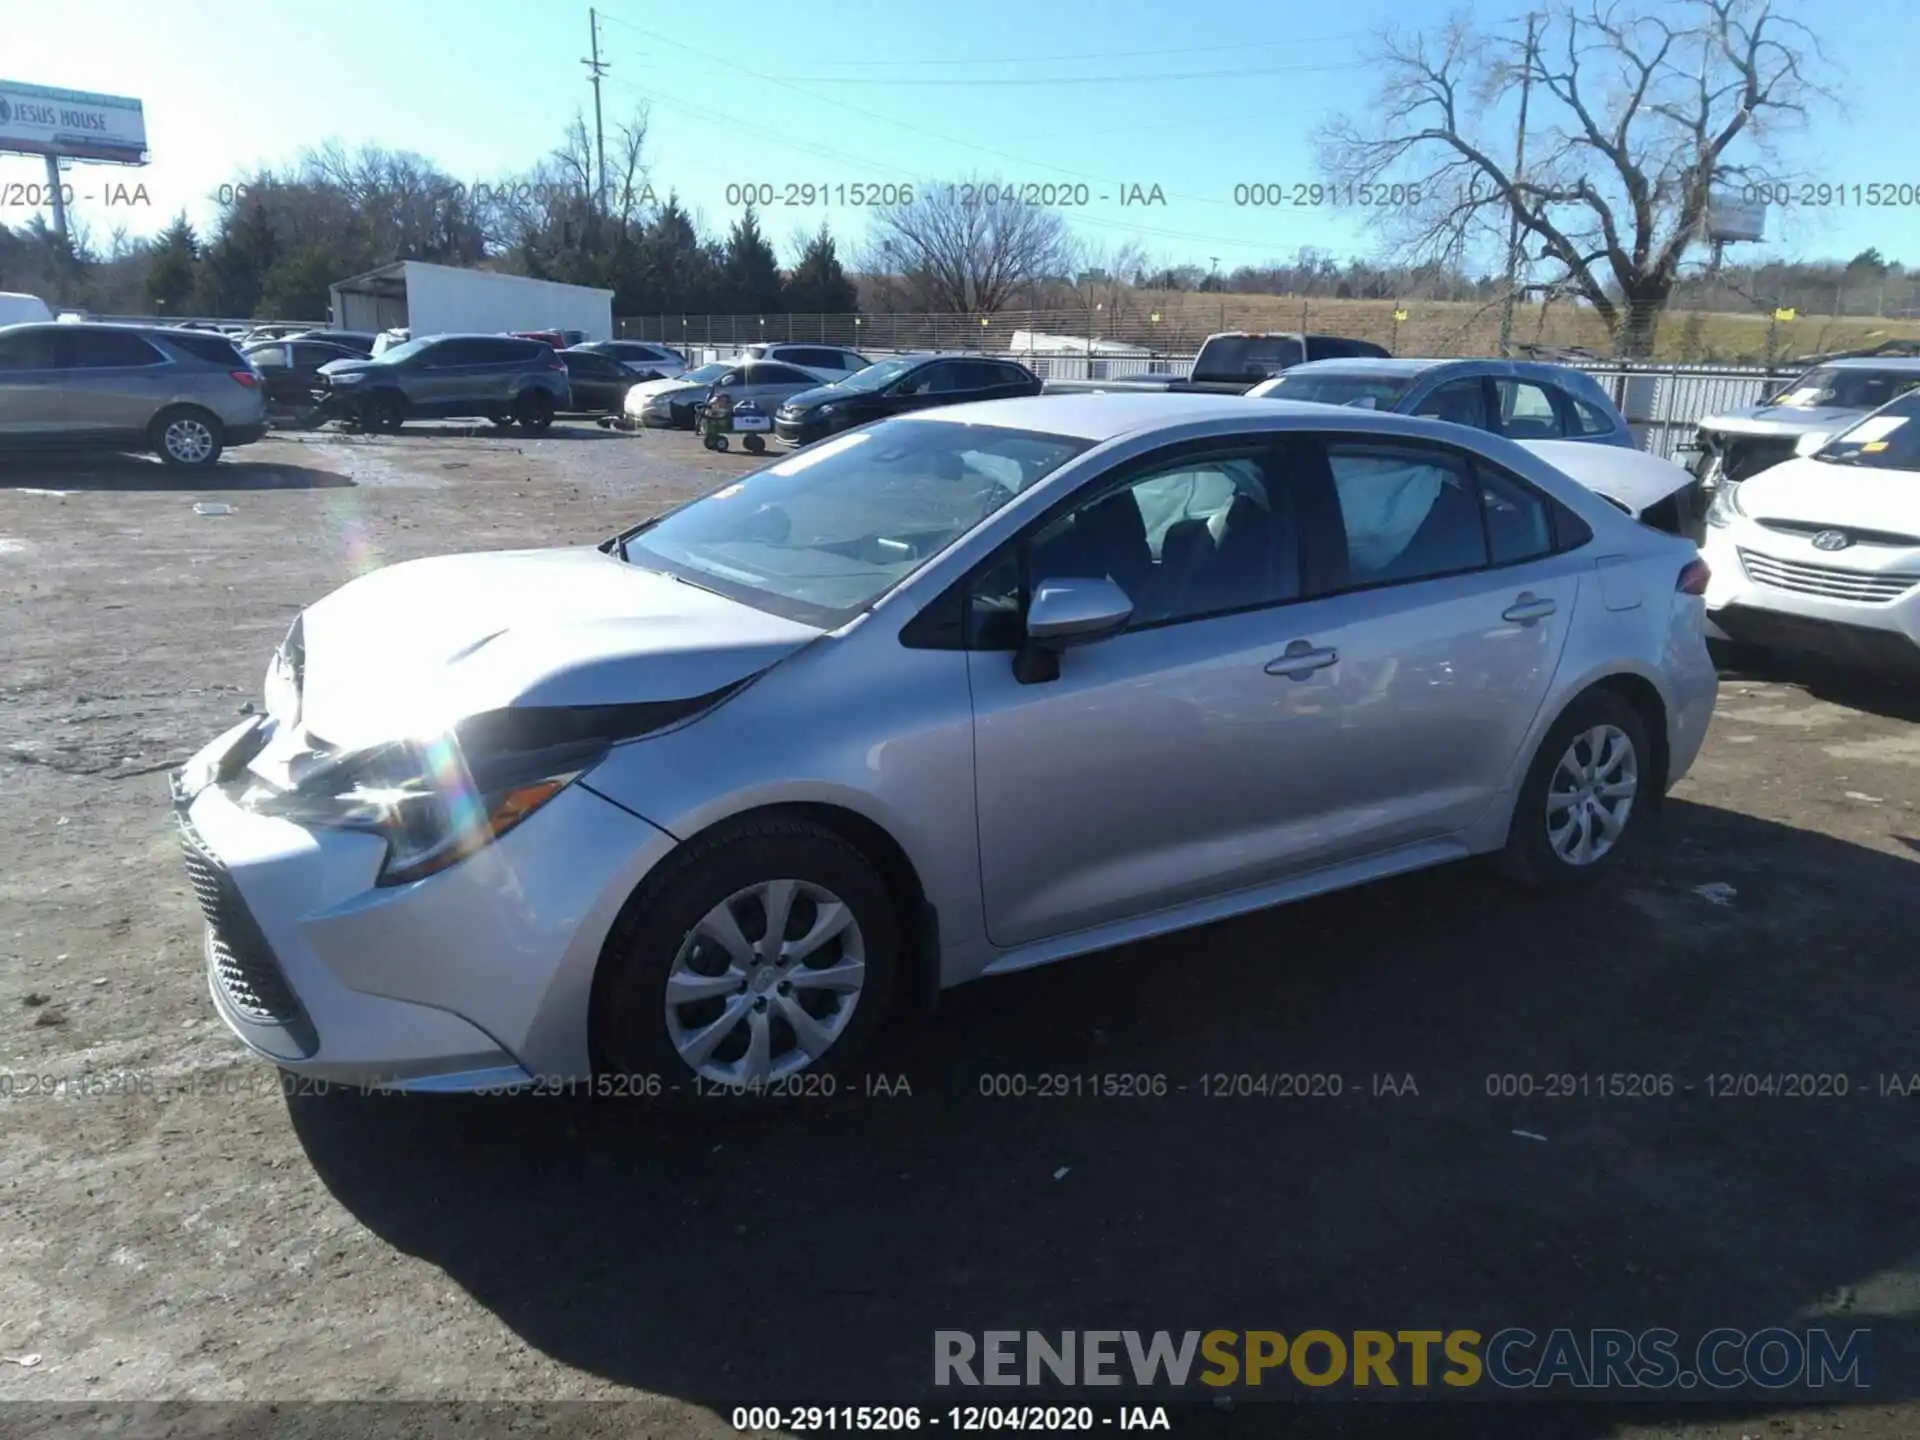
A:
188	440
1592	794
765	983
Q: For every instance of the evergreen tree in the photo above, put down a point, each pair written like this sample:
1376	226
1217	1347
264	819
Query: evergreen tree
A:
817	285
171	273
750	271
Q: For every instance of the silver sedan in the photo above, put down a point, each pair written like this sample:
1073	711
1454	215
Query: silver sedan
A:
940	698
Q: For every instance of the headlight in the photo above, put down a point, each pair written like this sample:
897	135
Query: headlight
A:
285	674
347	377
431	801
1725	506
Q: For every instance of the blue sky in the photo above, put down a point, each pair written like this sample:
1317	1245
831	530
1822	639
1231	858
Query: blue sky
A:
1210	94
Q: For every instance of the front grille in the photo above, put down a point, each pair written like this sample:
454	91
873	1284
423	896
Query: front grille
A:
243	961
1831	581
1808	529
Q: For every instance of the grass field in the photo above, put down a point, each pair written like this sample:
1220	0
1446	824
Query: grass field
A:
1175	322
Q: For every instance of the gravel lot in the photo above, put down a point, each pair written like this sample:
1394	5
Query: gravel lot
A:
217	1240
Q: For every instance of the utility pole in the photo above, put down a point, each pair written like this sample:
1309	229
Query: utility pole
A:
1513	212
596	69
58	197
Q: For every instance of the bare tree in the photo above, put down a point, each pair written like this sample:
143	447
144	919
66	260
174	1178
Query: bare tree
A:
1641	110
958	254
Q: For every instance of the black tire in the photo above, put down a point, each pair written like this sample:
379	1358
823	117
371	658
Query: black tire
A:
382	413
628	1031
1529	857
534	410
187	437
719	442
755	445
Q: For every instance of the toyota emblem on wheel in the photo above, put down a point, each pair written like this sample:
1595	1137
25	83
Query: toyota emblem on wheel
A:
1832	540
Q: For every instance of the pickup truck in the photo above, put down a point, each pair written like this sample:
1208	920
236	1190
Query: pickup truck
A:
1232	363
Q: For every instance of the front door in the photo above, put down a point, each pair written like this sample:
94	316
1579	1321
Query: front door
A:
1163	764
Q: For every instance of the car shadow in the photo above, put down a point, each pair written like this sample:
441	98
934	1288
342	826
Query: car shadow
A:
1392	1183
1892	697
145	472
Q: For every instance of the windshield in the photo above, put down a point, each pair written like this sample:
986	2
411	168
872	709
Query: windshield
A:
406	351
1845	388
824	533
1329	387
1245	357
878	377
1888	440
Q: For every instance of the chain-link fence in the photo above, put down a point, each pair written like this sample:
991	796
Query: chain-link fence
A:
1145	326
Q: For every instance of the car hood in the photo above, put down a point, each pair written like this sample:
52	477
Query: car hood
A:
1818	492
413	647
1632	477
344	366
1781	420
819	395
647	389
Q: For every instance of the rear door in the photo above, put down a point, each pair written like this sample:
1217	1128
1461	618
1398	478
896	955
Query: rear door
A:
771	381
33	409
1448	588
113	382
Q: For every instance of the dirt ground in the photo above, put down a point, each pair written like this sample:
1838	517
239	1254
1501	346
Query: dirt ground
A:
212	1239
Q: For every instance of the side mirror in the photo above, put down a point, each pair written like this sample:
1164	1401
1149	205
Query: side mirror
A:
1065	613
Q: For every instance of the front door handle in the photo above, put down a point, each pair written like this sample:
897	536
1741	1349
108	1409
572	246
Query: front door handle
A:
1528	608
1301	660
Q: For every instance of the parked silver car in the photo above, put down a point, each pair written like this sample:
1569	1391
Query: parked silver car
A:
186	395
946	696
674	403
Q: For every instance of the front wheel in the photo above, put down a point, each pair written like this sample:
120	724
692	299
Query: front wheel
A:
756	955
755	445
188	439
1585	797
534	410
383	413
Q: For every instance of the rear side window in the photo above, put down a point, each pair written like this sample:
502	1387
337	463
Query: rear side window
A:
270	355
1408	513
1526	411
507	352
1519	519
211	345
84	349
1013	374
1590	419
1459	402
772	373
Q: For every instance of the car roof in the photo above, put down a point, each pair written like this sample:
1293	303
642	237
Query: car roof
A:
1107	416
1867	362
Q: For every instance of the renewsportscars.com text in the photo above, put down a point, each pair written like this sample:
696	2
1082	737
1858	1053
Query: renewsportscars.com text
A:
1445	1361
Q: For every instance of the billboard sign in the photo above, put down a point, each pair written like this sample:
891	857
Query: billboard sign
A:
71	124
1734	217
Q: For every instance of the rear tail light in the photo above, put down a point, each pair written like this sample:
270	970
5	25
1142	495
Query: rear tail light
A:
1693	579
246	378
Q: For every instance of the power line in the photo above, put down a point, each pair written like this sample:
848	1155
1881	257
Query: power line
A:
1115	54
890	120
1309	69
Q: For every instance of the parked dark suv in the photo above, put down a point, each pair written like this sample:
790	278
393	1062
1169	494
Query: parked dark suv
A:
893	387
184	394
500	377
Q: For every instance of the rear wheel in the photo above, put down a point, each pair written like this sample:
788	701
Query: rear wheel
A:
755	955
383	413
1585	799
755	445
188	438
534	410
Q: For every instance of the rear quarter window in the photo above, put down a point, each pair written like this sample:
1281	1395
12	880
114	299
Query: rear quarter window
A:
212	347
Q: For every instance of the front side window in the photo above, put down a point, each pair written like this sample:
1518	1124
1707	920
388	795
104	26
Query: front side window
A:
1459	402
27	350
1204	535
825	532
1407	513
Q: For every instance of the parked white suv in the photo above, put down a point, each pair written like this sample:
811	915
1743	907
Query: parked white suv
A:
1821	554
830	362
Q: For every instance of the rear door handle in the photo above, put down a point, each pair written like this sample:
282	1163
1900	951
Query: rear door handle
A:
1301	660
1528	608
